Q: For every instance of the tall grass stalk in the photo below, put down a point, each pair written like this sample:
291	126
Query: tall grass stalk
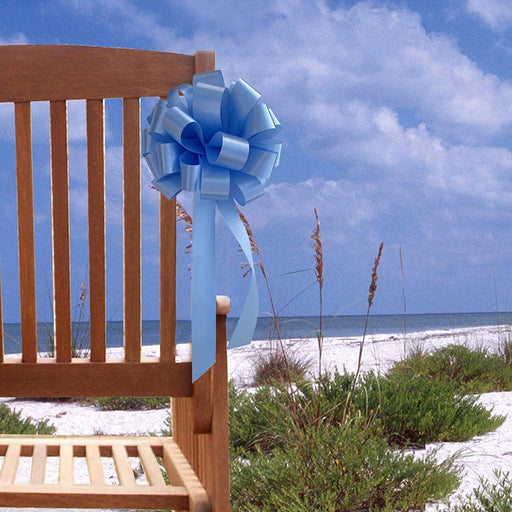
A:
371	296
256	250
404	302
316	237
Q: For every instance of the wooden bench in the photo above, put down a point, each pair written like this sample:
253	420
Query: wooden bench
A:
189	471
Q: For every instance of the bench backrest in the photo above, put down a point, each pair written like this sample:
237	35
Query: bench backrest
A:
57	74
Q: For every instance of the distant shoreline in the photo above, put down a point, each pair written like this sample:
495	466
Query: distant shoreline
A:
290	327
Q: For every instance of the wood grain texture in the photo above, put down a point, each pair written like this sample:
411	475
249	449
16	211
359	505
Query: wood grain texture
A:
94	465
124	469
150	465
82	378
204	61
58	72
60	230
10	464
88	496
26	231
96	218
38	468
66	465
184	493
199	501
131	229
218	487
202	403
167	278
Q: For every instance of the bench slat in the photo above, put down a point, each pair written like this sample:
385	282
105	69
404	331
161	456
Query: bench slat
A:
38	469
131	229
150	465
86	379
60	228
96	473
26	231
66	465
10	464
167	278
123	467
96	212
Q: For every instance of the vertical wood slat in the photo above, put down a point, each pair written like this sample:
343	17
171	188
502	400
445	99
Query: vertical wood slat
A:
123	467
131	218
218	484
60	224
38	469
10	464
96	212
167	279
26	232
96	473
66	465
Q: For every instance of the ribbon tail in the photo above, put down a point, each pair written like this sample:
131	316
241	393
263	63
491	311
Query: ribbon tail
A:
203	286
246	324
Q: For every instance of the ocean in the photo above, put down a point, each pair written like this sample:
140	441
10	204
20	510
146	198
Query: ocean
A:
291	327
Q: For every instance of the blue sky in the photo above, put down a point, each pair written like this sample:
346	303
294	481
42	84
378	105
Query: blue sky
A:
397	123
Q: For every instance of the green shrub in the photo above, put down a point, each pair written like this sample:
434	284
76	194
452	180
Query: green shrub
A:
167	430
260	419
274	366
12	423
473	371
415	410
336	469
490	497
132	403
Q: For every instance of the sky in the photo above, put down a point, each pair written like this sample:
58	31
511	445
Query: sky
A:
397	124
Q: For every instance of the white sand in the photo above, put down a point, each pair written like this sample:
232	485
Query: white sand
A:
478	457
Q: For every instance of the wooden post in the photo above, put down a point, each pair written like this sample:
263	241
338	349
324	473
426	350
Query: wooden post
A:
217	482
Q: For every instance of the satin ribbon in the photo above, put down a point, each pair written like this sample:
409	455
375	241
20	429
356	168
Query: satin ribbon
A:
218	143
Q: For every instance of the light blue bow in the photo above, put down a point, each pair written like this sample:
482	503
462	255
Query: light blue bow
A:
216	142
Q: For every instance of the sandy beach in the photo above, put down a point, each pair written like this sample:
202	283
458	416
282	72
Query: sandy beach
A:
478	457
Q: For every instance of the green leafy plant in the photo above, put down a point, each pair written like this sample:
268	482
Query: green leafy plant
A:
336	469
471	370
490	496
131	403
11	422
418	410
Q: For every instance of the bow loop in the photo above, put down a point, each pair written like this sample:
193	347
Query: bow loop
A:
228	151
210	108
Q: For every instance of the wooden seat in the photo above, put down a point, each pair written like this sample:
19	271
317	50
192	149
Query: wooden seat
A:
189	471
182	490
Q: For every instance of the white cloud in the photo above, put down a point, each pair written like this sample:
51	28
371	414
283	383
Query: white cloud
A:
298	52
17	38
495	13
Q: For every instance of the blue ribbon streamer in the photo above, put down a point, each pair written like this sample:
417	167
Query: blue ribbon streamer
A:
217	142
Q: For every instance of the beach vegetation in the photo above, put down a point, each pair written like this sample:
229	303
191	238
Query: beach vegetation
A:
416	410
274	366
490	496
11	422
280	465
131	403
80	332
471	370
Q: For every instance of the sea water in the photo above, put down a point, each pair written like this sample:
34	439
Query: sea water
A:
290	327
